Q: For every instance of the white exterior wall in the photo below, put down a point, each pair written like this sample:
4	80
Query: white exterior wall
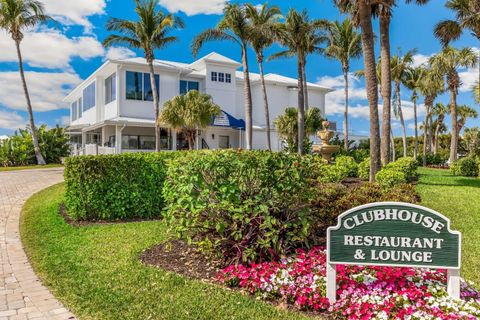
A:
223	94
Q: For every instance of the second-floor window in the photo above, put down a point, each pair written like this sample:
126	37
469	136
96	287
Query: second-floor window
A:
214	76
138	86
228	78
186	86
221	77
89	97
74	111
111	88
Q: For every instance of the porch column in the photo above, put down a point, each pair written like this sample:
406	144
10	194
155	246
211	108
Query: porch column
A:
118	139
104	140
174	139
84	139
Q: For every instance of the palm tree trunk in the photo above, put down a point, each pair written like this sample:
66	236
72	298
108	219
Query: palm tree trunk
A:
454	133
425	130
248	97
394	156
301	106
265	101
402	121
305	86
386	87
156	104
437	131
415	147
36	147
365	12
345	115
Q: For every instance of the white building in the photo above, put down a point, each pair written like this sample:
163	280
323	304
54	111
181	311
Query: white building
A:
112	110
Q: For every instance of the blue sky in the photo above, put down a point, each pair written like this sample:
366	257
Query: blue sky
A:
57	59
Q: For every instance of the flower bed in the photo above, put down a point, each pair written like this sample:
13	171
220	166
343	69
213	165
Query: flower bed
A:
364	292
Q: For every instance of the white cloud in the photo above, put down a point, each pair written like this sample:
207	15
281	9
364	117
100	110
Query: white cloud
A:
468	77
75	12
49	48
420	59
11	120
118	53
191	8
3	137
46	90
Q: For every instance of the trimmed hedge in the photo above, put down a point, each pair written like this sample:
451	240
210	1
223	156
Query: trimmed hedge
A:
401	171
467	167
364	169
348	164
115	187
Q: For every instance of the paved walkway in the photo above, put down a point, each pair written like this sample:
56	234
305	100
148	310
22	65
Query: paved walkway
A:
22	295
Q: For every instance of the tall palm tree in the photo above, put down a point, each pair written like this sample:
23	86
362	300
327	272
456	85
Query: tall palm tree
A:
446	64
439	110
262	22
15	17
413	78
235	27
344	43
476	92
188	113
399	66
301	35
150	32
361	13
467	17
431	86
464	112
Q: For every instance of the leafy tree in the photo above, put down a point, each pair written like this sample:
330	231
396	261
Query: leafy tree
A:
189	113
235	27
465	112
446	64
150	32
262	22
344	43
467	17
287	127
472	139
439	110
15	17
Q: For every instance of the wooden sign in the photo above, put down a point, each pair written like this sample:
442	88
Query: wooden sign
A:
394	234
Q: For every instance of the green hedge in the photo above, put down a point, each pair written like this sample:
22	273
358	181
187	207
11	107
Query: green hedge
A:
467	167
348	164
115	187
401	171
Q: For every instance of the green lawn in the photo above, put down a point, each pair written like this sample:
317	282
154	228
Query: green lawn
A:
51	165
458	198
95	271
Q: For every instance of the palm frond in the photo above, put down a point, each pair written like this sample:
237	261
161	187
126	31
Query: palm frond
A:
210	35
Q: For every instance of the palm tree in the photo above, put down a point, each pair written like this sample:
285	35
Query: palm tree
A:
399	66
446	64
150	32
262	23
439	110
467	17
413	78
188	113
476	92
344	43
235	27
301	36
15	17
464	112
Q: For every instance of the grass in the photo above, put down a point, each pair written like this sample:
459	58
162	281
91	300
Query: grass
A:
96	273
459	199
95	270
50	165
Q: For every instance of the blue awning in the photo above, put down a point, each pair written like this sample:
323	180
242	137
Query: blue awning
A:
228	121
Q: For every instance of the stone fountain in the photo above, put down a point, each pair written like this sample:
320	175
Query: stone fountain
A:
326	150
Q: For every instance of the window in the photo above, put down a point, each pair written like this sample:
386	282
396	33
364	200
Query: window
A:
186	86
111	88
89	97
135	142
223	142
228	78
80	108
214	76
73	111
134	87
221	77
130	142
148	92
146	142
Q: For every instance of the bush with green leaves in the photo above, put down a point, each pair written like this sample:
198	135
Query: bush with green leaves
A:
115	187
407	165
364	169
348	164
467	167
389	177
244	205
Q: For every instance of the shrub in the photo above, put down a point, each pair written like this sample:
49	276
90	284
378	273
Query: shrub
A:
364	169
347	163
389	177
115	187
247	205
406	165
467	167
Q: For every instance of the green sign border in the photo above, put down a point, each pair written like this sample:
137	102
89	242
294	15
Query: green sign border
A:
407	205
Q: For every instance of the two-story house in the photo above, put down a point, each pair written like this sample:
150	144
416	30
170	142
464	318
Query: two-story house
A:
113	109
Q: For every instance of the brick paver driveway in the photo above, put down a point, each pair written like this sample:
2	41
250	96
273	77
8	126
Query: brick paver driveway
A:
22	295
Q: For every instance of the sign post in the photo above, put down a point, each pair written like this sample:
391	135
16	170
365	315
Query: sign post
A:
394	234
